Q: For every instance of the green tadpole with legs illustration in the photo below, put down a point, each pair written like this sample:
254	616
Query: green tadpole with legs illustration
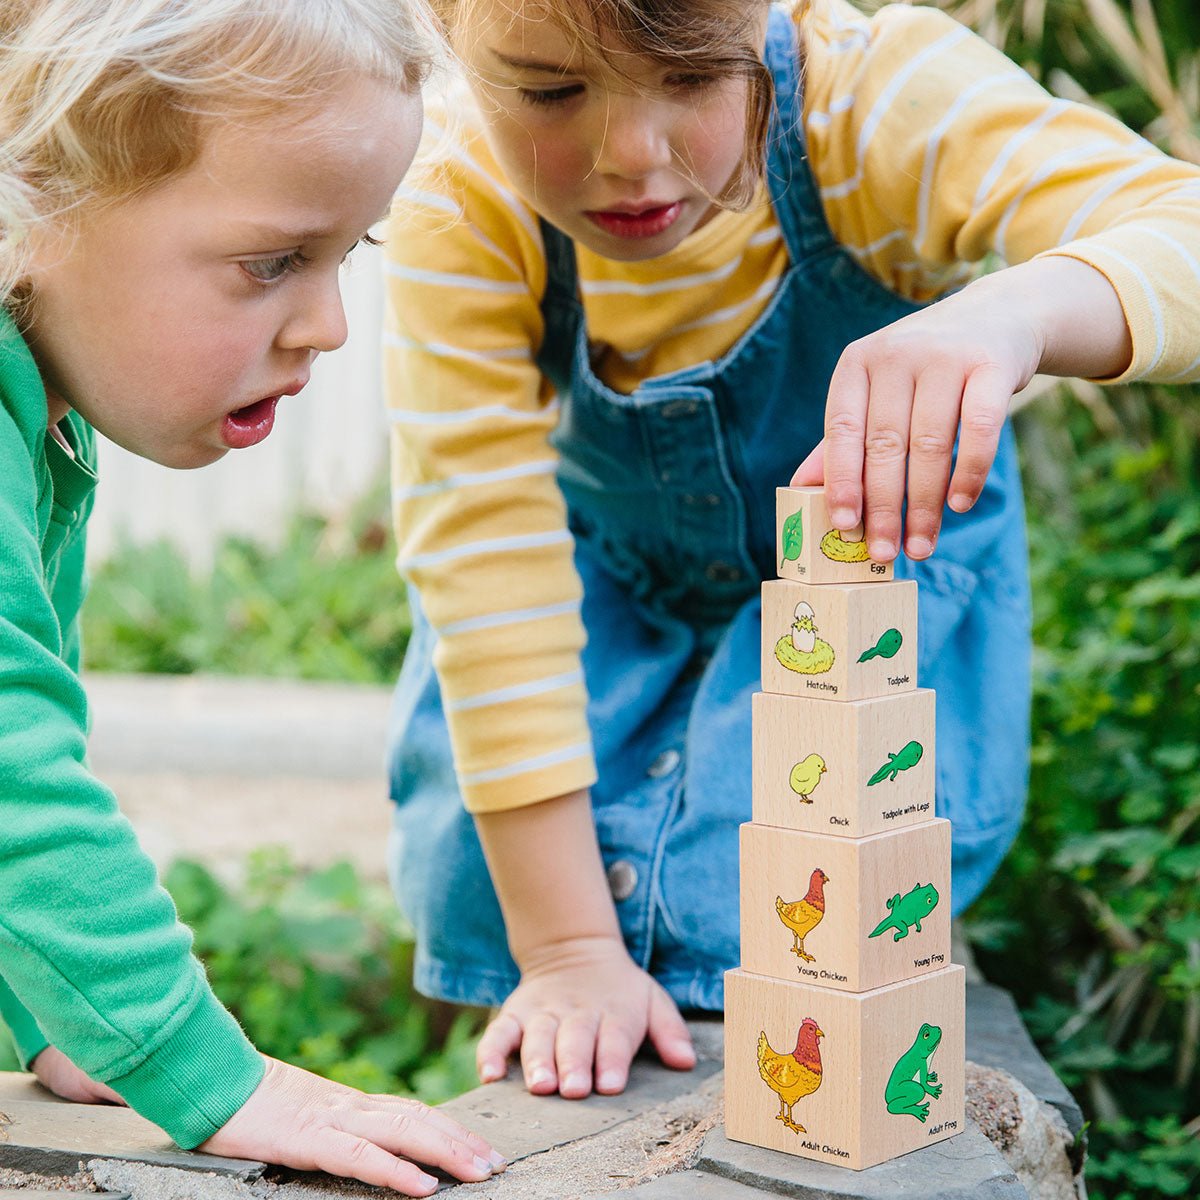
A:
886	647
902	760
911	1079
791	538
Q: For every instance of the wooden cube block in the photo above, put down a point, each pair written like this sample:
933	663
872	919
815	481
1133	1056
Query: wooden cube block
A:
847	769
846	913
842	642
810	550
844	1078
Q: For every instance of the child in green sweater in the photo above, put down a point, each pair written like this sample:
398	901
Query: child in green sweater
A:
179	184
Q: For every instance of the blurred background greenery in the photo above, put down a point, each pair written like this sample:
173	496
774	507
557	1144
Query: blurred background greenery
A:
1094	921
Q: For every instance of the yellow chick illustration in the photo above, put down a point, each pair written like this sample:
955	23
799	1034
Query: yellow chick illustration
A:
806	775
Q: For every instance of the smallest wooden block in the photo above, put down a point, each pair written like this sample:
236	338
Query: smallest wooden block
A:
847	642
846	913
809	549
847	1079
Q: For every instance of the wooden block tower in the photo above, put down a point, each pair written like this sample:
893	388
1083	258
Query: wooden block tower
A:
844	1025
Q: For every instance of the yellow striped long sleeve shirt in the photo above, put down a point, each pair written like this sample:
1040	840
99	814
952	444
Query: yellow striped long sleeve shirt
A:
930	149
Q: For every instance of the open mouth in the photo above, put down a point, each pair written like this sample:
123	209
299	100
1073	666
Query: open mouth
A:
646	223
250	425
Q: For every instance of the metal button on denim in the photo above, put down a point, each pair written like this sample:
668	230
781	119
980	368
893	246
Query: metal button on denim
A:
622	879
723	572
664	764
679	408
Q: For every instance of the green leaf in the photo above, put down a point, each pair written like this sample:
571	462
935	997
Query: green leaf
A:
791	537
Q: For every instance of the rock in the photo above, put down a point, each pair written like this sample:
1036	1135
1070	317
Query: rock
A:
1030	1134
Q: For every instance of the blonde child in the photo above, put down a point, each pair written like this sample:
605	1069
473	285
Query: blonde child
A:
179	183
667	252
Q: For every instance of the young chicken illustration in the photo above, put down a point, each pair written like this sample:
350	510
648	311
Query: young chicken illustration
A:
792	1076
803	916
806	775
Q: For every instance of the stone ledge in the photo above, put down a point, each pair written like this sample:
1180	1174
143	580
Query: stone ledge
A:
660	1140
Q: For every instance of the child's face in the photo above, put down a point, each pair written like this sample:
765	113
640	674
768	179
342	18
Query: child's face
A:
173	321
626	166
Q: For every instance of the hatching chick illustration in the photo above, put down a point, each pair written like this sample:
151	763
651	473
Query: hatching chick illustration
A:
792	1076
806	775
803	916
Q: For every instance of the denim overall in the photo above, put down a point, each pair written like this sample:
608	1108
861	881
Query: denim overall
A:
671	496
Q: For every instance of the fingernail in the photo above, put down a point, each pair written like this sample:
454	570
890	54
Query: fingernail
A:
959	502
577	1081
540	1076
482	1164
881	550
490	1072
918	547
499	1162
427	1181
609	1081
843	518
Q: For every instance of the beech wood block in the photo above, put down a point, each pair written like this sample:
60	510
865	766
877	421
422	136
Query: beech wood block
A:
847	769
839	642
809	549
846	913
845	1078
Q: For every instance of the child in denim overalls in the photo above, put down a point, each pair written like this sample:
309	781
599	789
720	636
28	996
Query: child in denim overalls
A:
506	404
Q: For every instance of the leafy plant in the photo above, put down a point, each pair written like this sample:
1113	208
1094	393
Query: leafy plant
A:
325	604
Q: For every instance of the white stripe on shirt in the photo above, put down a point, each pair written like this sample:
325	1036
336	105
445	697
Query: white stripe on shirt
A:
514	616
473	479
412	416
504	545
518	691
528	765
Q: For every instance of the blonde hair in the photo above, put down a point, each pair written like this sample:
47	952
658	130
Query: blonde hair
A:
704	37
101	99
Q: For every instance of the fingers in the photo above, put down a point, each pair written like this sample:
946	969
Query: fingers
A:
575	1051
811	472
537	1053
498	1043
985	403
615	1048
668	1032
885	455
934	426
340	1153
845	435
414	1130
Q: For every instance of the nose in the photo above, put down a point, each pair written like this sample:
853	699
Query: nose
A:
636	138
318	320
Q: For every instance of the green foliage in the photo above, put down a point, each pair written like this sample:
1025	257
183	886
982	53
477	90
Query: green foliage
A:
1094	920
326	604
318	967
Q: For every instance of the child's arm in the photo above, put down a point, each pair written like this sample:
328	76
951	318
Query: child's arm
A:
933	150
583	1006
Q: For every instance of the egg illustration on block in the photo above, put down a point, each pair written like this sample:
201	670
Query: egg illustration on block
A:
802	650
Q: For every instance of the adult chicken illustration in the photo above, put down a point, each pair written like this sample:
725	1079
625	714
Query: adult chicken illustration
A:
792	1076
803	916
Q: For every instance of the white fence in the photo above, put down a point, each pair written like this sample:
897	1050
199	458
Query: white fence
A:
329	444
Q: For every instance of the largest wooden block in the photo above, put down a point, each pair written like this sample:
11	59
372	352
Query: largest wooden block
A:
810	550
841	641
844	1078
847	769
846	913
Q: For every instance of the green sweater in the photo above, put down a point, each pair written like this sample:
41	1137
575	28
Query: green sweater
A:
93	958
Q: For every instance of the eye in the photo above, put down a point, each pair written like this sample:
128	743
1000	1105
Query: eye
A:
551	96
271	270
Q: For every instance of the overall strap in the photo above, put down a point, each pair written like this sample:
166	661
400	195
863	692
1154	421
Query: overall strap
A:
794	191
562	311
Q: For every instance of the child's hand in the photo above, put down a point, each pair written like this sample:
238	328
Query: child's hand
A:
60	1075
583	1010
899	397
896	401
300	1120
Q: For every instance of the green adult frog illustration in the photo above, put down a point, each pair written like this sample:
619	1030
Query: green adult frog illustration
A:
908	911
911	1079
